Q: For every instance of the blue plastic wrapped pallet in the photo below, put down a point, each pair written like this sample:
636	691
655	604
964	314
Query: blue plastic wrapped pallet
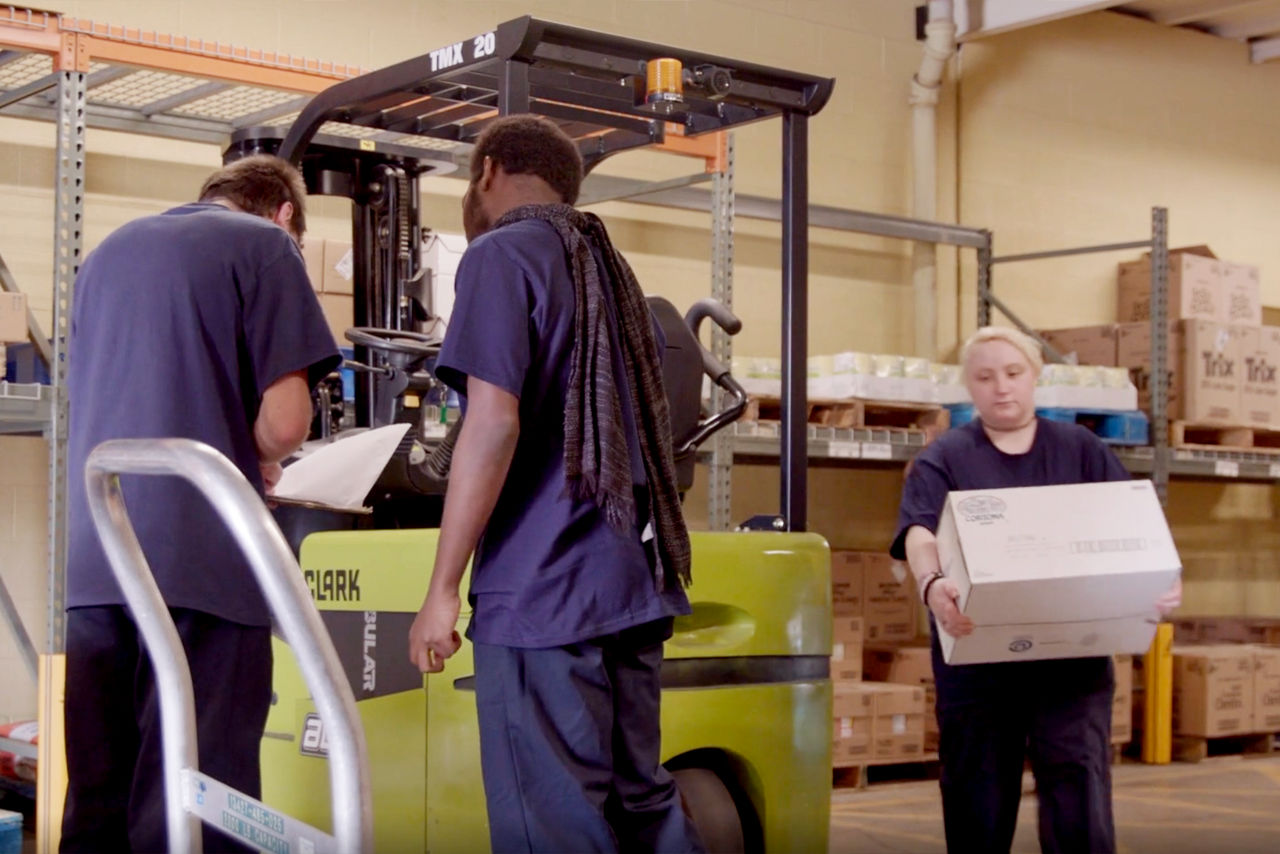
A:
24	365
348	375
10	832
1114	428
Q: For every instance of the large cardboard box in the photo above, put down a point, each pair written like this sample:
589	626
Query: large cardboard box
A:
1056	571
888	600
340	313
1122	702
852	711
1133	351
1196	289
1260	382
1214	372
1213	690
846	583
1205	369
907	665
1266	689
1241	295
898	726
313	258
339	268
1089	345
13	318
846	649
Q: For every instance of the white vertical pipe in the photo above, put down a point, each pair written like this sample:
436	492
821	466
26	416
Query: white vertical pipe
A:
940	44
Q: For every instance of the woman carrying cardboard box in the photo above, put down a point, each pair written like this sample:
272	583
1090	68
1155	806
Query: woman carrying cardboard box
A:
992	717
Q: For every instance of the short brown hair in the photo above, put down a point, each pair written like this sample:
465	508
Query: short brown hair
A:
531	145
259	185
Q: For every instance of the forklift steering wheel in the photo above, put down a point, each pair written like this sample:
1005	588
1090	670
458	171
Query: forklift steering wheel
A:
399	341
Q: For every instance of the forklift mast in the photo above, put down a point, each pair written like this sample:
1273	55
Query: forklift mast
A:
370	137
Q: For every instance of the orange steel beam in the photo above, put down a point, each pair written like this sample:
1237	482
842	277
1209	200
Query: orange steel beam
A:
712	148
212	60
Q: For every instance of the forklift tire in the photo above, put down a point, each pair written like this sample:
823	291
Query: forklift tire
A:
708	802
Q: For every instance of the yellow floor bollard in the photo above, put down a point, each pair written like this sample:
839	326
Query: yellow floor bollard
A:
1157	678
51	779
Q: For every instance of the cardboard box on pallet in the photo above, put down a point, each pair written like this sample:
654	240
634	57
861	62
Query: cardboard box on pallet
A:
1260	382
907	664
1196	289
1090	345
1056	571
852	710
13	318
846	583
1257	630
897	728
846	649
1266	689
1122	703
313	258
1241	295
1205	369
889	599
339	268
1213	690
340	312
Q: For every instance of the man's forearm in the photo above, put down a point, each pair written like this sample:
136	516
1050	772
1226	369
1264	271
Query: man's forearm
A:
480	464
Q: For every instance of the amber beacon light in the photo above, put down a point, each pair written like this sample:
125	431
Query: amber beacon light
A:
665	81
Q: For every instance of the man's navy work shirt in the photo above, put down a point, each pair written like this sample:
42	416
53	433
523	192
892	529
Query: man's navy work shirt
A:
181	322
548	571
965	458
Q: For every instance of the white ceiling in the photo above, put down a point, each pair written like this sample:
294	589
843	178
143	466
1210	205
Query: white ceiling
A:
1253	22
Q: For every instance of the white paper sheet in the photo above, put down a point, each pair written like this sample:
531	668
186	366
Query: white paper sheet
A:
340	474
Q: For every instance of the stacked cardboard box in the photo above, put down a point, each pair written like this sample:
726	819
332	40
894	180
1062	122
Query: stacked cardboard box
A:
1266	689
877	723
331	271
907	664
1222	361
1085	345
1122	703
852	711
1213	690
1202	630
877	588
846	650
13	318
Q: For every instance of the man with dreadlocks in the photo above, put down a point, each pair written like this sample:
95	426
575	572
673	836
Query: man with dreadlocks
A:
563	484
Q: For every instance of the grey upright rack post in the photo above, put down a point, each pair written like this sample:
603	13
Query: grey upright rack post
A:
192	797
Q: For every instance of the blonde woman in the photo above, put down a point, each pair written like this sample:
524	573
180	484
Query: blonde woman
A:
993	717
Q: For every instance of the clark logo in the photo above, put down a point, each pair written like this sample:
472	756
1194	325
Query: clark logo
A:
1020	645
981	509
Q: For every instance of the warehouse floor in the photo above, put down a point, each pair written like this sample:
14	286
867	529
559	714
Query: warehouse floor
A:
1227	805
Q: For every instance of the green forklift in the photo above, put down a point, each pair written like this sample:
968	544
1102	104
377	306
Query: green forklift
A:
746	706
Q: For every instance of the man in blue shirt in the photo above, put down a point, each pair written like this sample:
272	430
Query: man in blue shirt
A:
197	323
563	485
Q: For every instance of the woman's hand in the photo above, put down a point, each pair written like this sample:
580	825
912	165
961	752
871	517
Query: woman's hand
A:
1167	603
944	603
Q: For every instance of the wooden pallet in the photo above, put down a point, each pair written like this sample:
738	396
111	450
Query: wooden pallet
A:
849	414
857	776
1193	749
1186	434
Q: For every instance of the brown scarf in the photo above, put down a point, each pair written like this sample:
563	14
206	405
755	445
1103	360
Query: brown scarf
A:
597	463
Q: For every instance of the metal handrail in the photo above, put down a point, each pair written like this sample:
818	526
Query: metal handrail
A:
191	797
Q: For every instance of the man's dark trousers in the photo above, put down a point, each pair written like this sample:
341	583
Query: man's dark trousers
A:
569	747
115	800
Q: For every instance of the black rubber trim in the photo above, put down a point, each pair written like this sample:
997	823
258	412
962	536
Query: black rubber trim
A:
738	670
